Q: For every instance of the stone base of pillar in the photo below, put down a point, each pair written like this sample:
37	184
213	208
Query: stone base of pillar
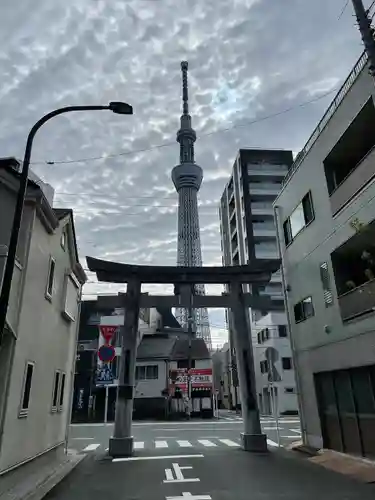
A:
254	442
121	447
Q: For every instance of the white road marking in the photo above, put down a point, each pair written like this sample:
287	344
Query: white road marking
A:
91	425
229	442
272	443
134	459
271	428
206	442
92	447
209	422
289	437
184	444
139	445
194	430
107	449
169	475
83	439
297	431
161	444
280	421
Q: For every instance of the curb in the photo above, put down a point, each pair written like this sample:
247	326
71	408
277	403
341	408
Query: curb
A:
40	487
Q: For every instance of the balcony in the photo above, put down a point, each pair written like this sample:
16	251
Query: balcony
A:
264	189
267	171
262	209
266	253
359	177
360	300
353	265
264	231
351	163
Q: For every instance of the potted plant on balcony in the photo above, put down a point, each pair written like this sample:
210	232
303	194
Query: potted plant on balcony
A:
350	285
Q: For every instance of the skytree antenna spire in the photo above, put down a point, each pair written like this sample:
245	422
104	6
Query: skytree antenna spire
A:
187	178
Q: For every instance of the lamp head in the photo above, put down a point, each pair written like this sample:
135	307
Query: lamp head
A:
121	108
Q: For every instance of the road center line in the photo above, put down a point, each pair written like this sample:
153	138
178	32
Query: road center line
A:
160	457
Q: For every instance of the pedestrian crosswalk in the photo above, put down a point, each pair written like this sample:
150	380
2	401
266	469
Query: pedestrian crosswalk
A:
171	443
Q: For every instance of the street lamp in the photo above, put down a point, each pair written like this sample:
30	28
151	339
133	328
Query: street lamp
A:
120	108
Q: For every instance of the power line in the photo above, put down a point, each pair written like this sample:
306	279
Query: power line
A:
343	10
206	134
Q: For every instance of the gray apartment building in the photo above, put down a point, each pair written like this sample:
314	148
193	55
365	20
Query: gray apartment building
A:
326	220
37	354
248	232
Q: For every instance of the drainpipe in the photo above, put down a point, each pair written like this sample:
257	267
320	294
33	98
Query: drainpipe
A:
301	412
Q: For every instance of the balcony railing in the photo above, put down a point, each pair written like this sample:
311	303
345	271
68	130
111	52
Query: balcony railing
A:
355	181
263	186
361	63
360	300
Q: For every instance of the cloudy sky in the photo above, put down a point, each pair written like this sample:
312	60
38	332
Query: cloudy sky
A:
249	60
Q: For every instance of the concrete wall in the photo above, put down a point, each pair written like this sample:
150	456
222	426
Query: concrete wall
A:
347	344
46	339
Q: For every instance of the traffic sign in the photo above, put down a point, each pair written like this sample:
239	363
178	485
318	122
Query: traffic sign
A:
104	376
106	353
108	332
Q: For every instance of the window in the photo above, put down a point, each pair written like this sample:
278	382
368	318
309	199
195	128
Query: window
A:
326	283
26	390
282	331
63	238
55	391
286	363
62	388
289	390
303	310
50	280
264	366
150	372
301	216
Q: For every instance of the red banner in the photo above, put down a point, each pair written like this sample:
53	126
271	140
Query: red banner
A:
200	378
107	332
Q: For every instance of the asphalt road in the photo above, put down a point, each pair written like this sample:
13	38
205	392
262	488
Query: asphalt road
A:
212	473
183	437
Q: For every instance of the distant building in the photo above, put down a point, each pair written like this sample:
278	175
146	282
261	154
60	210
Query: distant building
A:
248	233
162	349
326	215
38	349
274	371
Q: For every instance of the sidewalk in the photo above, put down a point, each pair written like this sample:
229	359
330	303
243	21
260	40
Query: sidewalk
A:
34	480
358	468
220	475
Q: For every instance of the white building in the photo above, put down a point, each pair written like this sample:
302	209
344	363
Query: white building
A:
326	215
38	351
248	230
274	371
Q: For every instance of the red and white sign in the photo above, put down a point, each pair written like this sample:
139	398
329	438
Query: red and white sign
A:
108	332
106	353
200	378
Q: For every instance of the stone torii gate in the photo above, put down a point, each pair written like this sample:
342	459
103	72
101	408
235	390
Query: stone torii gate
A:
252	439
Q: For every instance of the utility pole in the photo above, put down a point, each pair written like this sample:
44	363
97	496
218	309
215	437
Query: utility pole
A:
367	32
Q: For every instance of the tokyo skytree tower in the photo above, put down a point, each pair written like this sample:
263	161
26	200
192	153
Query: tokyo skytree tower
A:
187	179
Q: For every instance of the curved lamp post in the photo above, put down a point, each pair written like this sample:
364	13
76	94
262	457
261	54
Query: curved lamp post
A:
117	107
